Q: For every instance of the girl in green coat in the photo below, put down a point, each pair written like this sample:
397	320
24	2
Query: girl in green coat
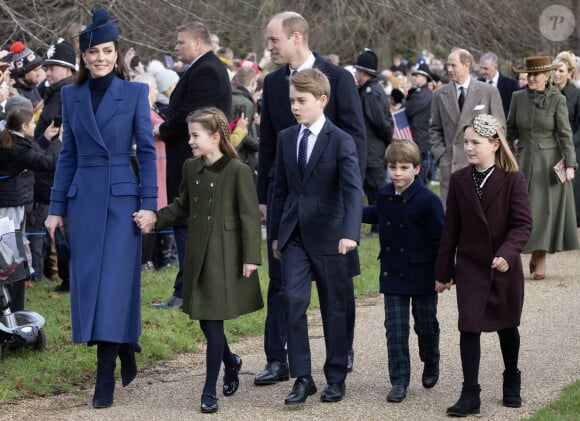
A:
538	120
218	198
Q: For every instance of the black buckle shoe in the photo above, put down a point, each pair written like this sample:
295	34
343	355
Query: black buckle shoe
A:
209	403
303	387
333	392
231	379
274	372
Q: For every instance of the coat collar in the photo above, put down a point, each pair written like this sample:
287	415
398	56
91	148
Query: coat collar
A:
409	192
492	187
199	164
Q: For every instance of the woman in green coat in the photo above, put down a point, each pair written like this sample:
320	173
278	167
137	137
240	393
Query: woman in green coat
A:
538	124
564	80
218	199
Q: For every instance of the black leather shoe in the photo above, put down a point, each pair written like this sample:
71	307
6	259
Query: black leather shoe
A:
171	302
209	403
231	379
350	360
430	375
275	371
397	393
333	392
303	387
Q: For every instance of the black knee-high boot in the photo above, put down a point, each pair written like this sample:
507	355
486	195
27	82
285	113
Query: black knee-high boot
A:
105	385
128	363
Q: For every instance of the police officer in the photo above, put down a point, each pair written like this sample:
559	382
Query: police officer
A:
378	122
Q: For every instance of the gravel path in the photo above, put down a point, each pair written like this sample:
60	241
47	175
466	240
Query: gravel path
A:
549	360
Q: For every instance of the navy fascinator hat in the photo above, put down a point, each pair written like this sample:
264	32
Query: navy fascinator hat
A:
101	30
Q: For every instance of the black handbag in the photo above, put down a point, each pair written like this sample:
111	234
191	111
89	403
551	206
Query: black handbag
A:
61	246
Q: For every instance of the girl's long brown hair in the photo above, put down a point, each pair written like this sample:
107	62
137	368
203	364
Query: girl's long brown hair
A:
214	121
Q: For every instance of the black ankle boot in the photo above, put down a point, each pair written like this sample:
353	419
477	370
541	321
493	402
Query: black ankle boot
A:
468	403
105	384
511	389
128	363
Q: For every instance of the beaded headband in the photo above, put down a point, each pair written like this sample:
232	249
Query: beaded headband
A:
485	125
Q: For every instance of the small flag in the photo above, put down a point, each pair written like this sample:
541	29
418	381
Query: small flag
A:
401	127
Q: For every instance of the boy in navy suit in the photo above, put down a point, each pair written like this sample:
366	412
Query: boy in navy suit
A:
410	219
316	214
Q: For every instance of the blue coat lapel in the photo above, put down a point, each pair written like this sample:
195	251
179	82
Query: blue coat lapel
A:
111	104
84	109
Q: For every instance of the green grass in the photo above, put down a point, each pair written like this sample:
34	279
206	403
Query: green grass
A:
565	408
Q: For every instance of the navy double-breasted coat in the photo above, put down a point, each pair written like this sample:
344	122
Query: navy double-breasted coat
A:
97	190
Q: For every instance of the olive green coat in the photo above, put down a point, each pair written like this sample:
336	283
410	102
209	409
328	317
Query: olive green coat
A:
539	119
221	207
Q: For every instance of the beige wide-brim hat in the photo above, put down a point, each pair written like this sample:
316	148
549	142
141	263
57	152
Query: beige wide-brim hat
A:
537	64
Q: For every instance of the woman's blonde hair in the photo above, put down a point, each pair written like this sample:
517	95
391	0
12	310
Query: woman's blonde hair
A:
214	121
486	125
569	59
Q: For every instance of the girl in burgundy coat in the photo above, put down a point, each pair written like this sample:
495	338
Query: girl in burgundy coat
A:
487	224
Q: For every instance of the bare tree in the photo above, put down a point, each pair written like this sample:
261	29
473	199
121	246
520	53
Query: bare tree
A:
343	27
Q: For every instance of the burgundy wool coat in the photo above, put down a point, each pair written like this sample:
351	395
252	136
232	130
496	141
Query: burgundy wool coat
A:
474	232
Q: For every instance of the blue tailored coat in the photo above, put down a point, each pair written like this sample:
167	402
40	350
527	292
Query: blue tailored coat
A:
96	188
327	201
409	232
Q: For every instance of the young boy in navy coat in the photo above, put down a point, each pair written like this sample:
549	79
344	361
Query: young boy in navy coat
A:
410	219
316	213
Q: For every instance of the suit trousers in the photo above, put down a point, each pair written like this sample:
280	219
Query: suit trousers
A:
180	234
275	326
397	329
330	272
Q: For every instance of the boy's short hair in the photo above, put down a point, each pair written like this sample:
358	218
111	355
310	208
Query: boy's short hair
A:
245	75
312	81
403	151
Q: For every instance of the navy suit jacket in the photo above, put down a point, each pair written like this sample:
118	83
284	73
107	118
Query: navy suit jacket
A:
326	203
205	84
343	109
506	87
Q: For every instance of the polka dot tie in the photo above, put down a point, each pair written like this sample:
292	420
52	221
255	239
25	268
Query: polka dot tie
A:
302	151
461	99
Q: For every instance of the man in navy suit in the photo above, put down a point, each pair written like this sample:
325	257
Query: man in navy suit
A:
315	223
205	83
489	71
288	46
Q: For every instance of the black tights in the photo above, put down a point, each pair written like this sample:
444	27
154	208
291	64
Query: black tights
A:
509	341
217	351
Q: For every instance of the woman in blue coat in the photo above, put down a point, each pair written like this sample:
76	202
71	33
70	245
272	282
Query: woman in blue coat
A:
97	190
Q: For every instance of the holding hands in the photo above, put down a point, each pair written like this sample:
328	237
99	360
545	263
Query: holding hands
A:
145	220
441	287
